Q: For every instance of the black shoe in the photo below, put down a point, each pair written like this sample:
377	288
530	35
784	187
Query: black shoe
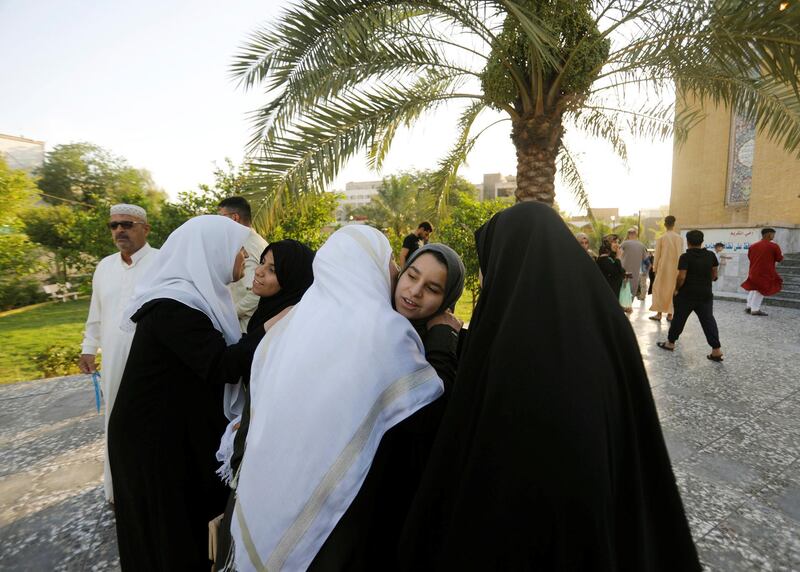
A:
747	311
759	313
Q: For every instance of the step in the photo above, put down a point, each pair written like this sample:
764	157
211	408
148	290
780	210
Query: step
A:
783	302
777	300
788	270
790	262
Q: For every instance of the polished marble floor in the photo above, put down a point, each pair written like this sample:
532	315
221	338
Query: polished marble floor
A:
732	428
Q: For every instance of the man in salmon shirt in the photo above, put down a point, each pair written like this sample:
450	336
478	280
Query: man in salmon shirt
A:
762	280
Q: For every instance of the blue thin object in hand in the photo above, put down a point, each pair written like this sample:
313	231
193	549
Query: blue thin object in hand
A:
96	380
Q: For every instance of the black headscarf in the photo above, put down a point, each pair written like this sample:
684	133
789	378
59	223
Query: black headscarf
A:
293	262
550	454
454	286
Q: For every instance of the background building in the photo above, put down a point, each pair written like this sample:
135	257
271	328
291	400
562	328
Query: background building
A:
356	194
496	186
22	153
730	181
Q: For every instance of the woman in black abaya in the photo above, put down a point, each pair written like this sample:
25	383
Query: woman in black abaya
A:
169	412
550	454
284	275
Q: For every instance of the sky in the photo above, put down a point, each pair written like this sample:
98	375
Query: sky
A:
149	81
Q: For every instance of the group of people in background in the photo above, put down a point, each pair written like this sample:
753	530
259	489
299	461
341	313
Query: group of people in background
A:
272	407
681	279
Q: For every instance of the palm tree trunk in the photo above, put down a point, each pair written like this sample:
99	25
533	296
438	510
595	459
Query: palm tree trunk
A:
538	141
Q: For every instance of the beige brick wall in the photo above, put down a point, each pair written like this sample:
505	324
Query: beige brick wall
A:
699	179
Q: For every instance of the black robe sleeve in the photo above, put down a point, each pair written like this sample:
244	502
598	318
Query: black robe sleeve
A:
190	336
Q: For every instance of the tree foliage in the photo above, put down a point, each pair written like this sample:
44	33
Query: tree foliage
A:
458	232
309	222
17	193
20	259
408	198
344	76
84	173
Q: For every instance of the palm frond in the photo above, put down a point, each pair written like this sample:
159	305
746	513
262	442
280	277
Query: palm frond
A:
570	175
447	170
311	151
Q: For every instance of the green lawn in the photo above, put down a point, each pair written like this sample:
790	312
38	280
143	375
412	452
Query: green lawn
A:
464	306
29	331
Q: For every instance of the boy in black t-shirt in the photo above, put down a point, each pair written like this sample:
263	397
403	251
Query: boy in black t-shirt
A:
415	241
697	269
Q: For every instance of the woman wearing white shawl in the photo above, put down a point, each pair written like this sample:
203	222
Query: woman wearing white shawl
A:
168	415
327	382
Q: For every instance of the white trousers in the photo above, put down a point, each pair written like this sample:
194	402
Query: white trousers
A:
754	300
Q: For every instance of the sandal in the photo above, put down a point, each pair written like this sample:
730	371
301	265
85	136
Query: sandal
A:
654	318
663	346
712	357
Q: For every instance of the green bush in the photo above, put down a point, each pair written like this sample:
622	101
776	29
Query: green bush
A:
58	359
16	292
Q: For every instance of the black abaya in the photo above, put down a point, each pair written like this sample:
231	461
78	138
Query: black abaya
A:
365	538
163	434
612	271
550	454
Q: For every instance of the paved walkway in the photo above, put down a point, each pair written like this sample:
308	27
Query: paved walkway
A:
733	430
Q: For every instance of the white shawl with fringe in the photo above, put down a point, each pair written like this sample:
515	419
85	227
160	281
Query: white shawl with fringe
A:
195	266
338	372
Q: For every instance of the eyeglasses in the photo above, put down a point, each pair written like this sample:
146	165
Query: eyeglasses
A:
126	224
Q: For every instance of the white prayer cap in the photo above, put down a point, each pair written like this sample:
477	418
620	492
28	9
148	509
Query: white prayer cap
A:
132	210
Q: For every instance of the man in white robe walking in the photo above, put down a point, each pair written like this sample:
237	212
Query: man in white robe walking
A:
113	283
238	210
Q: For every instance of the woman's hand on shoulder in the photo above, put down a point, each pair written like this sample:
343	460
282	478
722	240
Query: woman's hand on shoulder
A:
276	318
446	318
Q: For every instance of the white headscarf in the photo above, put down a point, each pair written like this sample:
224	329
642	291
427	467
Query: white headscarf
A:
327	382
195	265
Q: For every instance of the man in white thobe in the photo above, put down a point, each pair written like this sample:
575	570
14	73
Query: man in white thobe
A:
112	287
238	210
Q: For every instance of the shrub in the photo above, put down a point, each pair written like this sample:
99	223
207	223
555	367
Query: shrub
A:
58	359
16	292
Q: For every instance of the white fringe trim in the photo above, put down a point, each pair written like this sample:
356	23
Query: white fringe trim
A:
225	452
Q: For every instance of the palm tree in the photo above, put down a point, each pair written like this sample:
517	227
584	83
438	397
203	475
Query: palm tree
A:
394	208
342	76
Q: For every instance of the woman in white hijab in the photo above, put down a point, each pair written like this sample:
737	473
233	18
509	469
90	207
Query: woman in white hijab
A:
168	415
327	382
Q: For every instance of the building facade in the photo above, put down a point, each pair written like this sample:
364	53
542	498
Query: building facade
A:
497	186
22	153
730	181
356	195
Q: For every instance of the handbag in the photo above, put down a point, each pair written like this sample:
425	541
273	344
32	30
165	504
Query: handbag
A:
625	296
642	292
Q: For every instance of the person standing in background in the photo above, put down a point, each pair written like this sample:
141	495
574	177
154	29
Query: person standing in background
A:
238	210
762	279
415	241
583	240
112	286
633	252
722	260
669	247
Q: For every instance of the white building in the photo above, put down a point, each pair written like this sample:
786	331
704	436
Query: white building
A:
497	186
356	194
22	153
